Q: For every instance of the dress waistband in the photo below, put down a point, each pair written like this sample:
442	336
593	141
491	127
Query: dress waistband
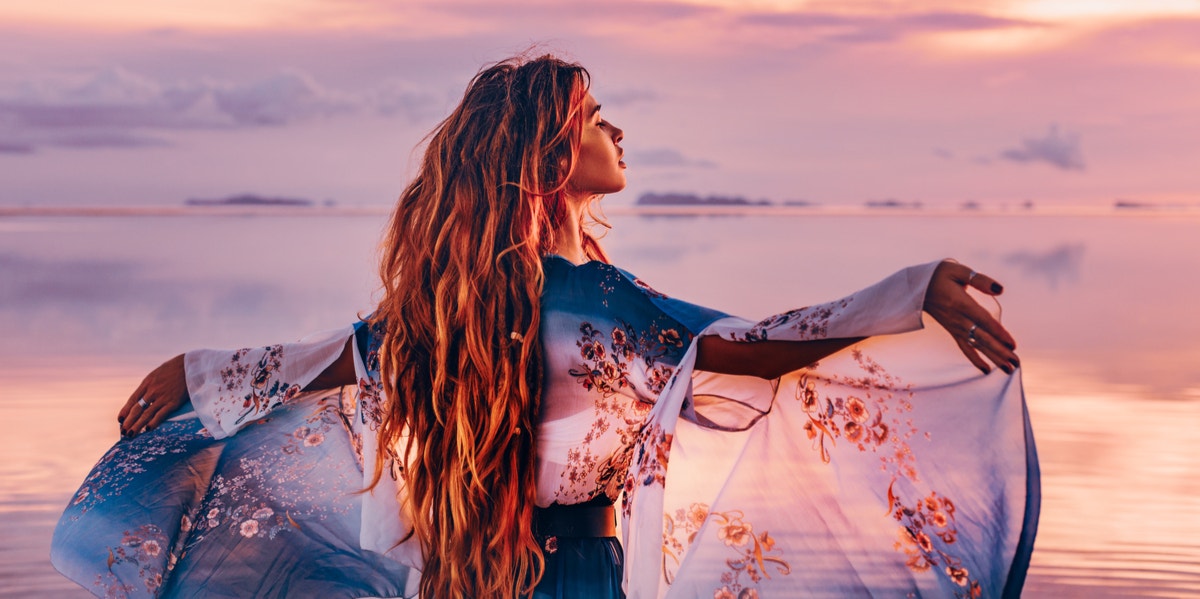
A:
582	520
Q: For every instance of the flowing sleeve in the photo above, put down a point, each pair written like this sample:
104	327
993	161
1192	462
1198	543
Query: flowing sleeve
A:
232	388
892	469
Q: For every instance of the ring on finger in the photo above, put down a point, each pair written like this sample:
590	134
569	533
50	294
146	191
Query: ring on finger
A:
142	402
971	334
971	277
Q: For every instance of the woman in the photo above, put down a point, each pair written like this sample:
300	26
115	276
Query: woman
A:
511	385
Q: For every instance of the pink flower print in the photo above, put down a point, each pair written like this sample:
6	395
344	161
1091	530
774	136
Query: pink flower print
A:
263	513
696	515
857	410
618	338
151	548
249	528
301	432
592	351
853	430
939	519
670	337
735	534
810	430
609	370
960	576
724	593
918	563
314	439
808	397
924	542
748	594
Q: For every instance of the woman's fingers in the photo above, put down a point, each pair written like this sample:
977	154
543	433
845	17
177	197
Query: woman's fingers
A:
976	314
132	409
973	356
160	393
1000	355
978	334
978	280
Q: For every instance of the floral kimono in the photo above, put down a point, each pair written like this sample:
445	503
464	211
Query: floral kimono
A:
891	469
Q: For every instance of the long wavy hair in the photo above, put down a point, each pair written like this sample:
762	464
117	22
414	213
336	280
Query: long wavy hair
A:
461	357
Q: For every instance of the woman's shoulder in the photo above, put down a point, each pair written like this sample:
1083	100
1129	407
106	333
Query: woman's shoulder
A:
603	286
597	279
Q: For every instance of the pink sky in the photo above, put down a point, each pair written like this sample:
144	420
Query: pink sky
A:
1055	101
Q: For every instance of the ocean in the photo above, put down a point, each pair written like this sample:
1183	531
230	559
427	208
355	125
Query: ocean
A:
1099	301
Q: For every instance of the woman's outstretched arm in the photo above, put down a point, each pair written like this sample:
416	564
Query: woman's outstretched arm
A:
978	334
164	391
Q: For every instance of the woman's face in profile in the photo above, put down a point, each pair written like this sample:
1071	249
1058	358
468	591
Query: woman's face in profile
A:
599	168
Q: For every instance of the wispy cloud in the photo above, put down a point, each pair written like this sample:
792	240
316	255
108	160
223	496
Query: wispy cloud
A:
1059	149
666	158
856	28
1057	264
118	108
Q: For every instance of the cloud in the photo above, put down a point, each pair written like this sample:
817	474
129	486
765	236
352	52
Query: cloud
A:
1060	263
7	147
114	107
865	28
628	97
666	158
1060	150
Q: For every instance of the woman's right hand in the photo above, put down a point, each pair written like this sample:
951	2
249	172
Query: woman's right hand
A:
162	392
974	330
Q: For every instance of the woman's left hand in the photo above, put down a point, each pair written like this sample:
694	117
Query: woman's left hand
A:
974	329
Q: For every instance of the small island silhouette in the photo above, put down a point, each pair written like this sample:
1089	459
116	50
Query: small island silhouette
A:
248	199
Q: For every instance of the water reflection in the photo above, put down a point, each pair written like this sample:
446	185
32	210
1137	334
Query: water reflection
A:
1060	263
1107	340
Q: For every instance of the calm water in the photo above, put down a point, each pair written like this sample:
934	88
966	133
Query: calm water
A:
1101	306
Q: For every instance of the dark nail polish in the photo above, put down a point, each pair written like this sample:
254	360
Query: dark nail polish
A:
120	419
996	288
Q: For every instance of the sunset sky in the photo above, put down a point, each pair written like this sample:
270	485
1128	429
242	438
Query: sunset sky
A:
1054	101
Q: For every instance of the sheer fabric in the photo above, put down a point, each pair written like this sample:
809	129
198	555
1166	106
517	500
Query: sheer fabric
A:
891	469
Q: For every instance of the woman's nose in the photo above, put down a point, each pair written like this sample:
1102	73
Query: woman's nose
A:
617	134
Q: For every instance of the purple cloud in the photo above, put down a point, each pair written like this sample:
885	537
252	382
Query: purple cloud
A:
1060	150
666	158
871	28
114	107
1060	263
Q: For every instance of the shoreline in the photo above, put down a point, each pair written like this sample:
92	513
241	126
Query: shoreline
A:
1176	211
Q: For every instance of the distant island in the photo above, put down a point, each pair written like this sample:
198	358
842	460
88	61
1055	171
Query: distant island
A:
689	199
892	203
247	199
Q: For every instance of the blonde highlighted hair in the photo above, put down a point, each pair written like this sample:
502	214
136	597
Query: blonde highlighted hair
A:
461	357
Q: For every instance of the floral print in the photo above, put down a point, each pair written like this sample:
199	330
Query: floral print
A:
811	322
623	370
257	378
653	448
754	555
927	527
141	554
